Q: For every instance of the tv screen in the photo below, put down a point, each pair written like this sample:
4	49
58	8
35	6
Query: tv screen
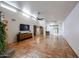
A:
24	27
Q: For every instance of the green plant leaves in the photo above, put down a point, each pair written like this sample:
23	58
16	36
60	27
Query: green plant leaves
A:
2	37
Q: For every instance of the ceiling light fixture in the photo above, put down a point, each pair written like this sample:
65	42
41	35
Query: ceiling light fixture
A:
8	7
28	12
26	15
34	15
33	18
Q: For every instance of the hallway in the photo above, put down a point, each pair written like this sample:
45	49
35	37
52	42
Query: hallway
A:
30	19
43	47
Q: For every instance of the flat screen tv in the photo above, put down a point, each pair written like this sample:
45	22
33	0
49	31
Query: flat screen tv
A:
24	27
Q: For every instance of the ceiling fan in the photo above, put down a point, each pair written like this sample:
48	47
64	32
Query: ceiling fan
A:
38	18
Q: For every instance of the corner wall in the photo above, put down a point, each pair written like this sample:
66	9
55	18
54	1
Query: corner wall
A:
71	29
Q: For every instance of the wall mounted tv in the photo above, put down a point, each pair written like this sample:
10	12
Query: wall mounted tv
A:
24	27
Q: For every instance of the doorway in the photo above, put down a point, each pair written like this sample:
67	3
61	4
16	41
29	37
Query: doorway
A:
38	30
35	27
54	30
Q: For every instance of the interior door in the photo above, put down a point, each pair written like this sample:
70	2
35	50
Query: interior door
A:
35	30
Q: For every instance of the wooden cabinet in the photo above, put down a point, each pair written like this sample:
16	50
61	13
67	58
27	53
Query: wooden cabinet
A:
23	36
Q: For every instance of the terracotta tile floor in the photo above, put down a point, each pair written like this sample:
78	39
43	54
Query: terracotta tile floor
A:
43	47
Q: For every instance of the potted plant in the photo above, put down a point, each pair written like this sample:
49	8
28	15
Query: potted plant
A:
2	38
5	51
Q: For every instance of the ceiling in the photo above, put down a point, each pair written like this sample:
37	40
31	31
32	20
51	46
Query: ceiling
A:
50	10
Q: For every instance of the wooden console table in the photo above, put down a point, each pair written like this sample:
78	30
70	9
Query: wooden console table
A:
22	36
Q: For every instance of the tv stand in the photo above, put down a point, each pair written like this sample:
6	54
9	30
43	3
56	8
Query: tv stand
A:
23	36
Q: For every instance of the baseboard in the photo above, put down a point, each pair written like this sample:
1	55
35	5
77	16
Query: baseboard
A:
72	49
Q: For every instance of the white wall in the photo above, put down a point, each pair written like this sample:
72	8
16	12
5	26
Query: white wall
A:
71	29
13	26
